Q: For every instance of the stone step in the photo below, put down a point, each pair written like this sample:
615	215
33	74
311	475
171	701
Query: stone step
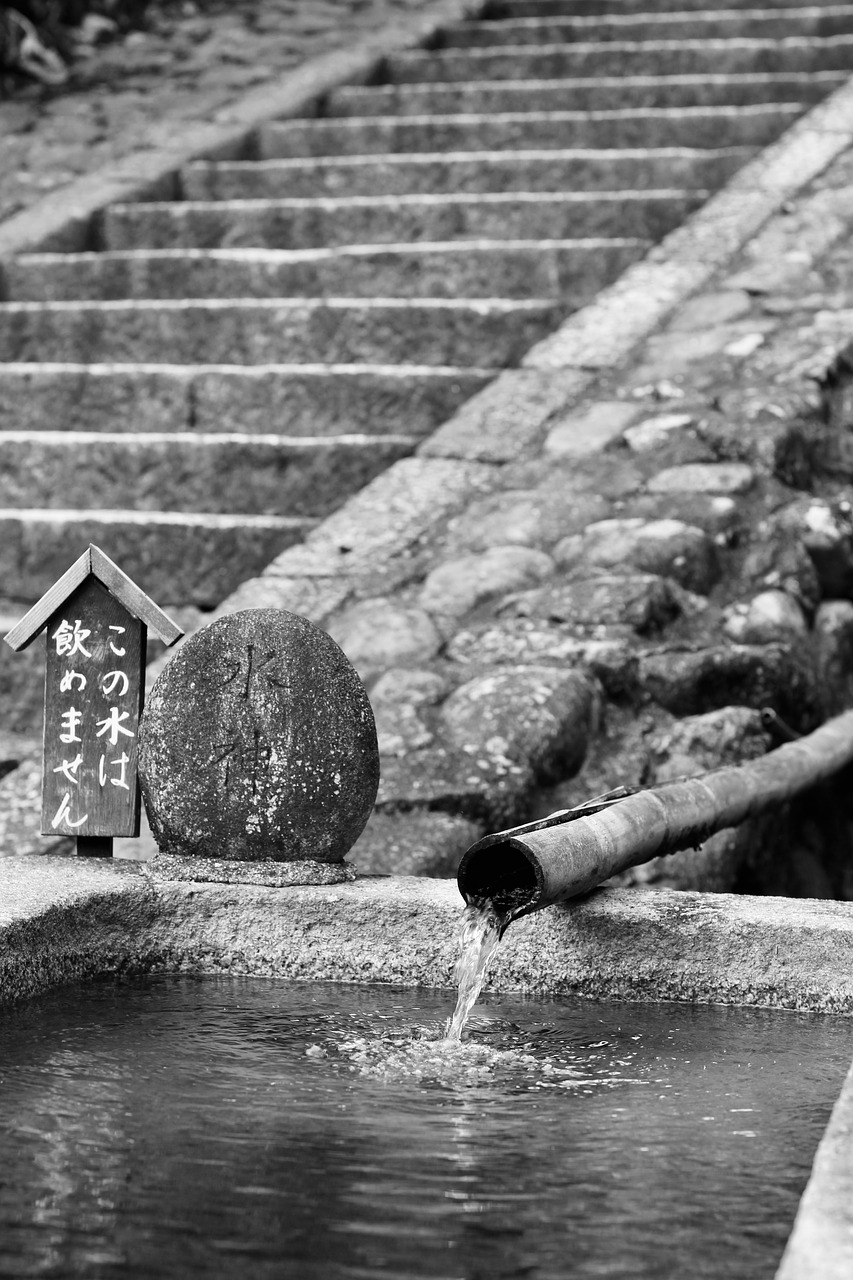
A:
431	173
626	57
602	93
228	472
394	220
493	332
308	400
500	10
569	269
717	24
648	127
178	558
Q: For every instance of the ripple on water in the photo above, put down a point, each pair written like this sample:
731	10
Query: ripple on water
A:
501	1054
191	1129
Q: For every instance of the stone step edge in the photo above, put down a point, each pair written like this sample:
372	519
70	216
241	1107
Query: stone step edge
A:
472	118
653	15
426	87
337	204
122	515
757	44
185	372
204	439
288	164
65	219
285	256
119	306
762	12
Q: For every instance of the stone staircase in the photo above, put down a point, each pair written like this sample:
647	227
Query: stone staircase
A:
223	369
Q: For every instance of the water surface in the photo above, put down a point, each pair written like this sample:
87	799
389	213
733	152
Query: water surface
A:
180	1127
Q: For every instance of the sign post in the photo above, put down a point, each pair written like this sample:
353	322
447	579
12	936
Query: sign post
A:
97	621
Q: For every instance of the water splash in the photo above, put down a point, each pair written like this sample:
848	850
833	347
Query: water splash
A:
478	941
431	1058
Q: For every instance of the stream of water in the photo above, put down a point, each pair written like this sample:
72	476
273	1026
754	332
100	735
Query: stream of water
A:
478	941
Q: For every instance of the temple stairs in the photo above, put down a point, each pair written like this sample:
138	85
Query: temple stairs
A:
221	370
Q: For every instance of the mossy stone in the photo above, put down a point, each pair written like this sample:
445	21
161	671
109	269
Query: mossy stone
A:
258	742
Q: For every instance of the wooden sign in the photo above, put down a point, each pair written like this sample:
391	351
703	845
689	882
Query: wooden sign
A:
96	621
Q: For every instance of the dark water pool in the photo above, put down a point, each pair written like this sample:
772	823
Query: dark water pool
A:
258	1128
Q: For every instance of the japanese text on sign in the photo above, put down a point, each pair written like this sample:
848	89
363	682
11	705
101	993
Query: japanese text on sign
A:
92	708
69	639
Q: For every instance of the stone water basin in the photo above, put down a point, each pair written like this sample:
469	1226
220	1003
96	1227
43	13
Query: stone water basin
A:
181	1126
230	1092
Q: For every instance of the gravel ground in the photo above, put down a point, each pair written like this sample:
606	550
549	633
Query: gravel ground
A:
189	63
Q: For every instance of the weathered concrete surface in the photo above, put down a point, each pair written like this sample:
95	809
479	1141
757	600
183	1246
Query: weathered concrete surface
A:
61	919
821	1245
652	945
379	533
165	868
507	418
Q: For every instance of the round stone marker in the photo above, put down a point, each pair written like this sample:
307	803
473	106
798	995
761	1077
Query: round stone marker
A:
258	744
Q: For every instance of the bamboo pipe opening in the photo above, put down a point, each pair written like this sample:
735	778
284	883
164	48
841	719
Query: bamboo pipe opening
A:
500	869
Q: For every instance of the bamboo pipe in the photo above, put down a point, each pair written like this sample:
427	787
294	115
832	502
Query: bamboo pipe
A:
526	868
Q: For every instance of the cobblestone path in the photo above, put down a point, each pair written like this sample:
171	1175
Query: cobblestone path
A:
660	582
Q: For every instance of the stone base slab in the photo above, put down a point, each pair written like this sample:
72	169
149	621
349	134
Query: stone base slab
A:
165	868
66	918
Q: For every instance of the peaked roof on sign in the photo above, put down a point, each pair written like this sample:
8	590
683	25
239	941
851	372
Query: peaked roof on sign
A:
94	561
